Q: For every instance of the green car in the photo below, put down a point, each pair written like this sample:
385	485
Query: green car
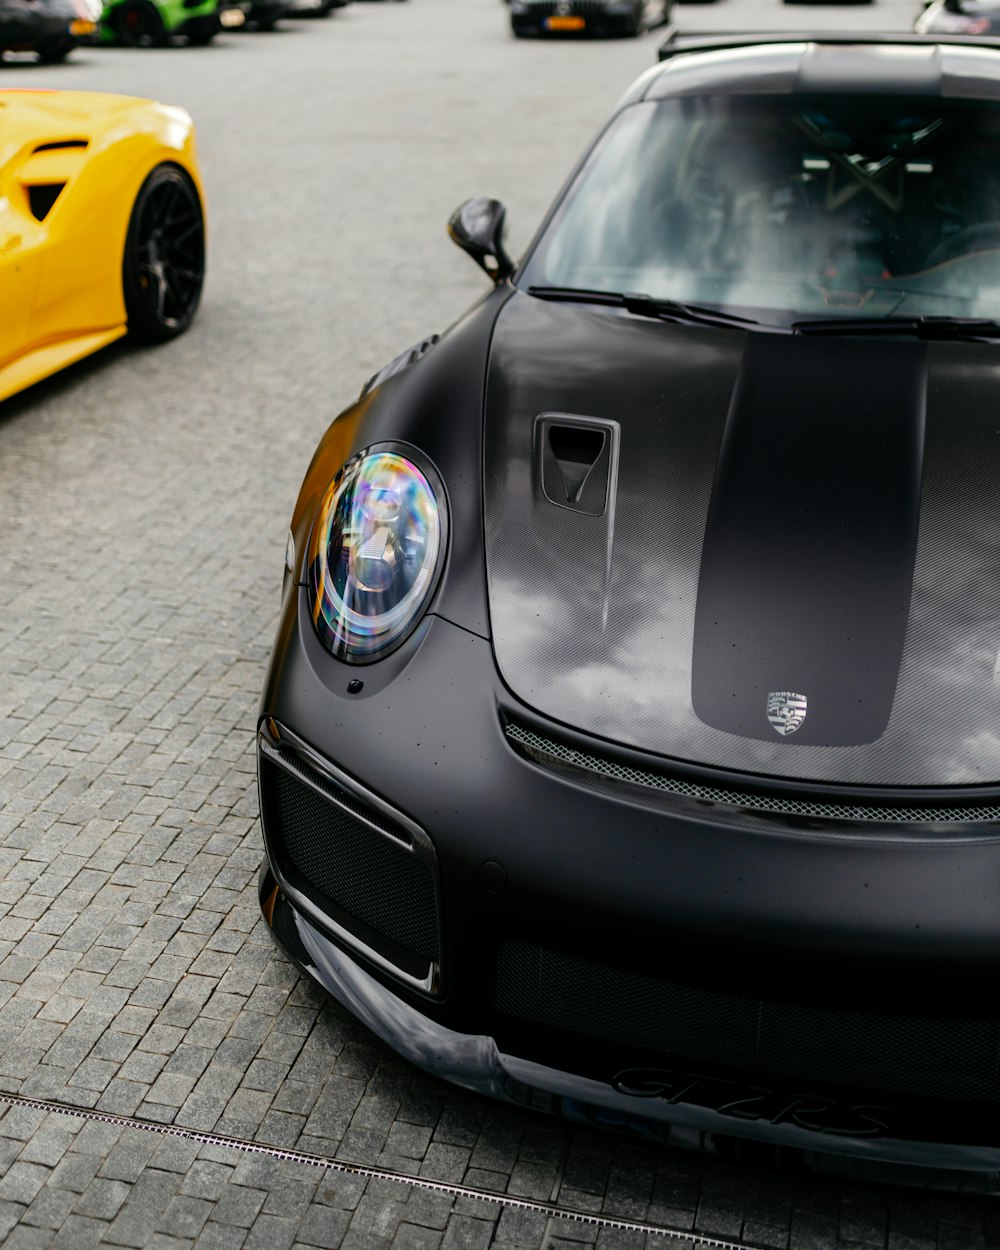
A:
151	23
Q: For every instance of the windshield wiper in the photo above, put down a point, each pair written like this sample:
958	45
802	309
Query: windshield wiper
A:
967	329
644	306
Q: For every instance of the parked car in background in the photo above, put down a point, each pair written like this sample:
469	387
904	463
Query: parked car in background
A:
960	17
102	230
52	28
586	17
315	8
261	14
153	23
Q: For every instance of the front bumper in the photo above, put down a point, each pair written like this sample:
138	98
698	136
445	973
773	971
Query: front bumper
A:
868	938
475	1062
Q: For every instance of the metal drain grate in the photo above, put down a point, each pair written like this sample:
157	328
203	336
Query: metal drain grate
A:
552	1209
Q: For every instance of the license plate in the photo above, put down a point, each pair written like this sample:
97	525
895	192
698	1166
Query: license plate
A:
79	27
232	17
565	23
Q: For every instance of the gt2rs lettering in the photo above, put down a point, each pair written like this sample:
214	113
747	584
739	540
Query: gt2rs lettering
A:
815	1112
752	1106
651	1083
862	1120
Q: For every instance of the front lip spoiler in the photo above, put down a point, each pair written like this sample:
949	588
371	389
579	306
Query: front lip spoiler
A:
474	1062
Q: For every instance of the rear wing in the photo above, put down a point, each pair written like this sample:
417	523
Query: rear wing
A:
677	44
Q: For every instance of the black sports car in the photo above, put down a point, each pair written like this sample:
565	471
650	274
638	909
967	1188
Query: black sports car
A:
828	1
261	14
587	17
315	8
52	28
630	747
960	17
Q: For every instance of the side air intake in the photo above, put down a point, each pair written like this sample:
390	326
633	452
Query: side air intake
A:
366	873
41	198
60	145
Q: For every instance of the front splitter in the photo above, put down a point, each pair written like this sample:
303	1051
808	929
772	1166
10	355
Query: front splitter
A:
474	1062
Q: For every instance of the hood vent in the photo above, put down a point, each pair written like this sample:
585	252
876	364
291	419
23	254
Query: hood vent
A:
42	197
575	456
399	363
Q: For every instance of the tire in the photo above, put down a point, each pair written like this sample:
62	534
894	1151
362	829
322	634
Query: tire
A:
163	268
54	53
138	25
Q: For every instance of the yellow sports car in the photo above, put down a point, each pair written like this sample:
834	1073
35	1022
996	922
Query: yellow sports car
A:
102	230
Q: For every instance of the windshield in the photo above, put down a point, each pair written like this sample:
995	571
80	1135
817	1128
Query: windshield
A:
788	207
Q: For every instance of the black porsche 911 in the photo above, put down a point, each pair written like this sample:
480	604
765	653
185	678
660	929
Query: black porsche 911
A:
51	28
587	17
630	746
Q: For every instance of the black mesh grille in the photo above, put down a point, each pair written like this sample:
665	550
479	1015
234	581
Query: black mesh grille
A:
551	753
917	1055
367	881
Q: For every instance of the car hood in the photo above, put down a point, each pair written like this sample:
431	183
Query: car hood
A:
782	560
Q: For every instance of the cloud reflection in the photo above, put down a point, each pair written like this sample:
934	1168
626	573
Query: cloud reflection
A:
631	682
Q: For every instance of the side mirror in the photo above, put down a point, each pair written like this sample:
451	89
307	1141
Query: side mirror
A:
478	227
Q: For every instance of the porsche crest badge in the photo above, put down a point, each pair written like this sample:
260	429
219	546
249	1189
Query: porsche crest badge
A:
786	711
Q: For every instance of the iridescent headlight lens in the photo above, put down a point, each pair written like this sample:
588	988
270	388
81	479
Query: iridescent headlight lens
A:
374	554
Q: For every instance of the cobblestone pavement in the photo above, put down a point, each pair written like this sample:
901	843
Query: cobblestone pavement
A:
143	506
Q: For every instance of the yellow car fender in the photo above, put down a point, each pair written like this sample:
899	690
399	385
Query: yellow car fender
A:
71	168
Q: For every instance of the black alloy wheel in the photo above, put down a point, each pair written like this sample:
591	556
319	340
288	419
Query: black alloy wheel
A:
138	25
164	264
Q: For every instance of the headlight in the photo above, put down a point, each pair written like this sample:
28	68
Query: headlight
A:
375	553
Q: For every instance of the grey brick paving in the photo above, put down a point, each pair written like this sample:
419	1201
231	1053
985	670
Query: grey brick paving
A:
144	503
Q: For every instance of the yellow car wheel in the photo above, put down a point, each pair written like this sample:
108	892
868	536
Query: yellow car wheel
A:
163	268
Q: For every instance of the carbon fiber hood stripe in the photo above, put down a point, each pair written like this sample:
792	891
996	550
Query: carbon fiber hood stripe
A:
807	564
607	645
